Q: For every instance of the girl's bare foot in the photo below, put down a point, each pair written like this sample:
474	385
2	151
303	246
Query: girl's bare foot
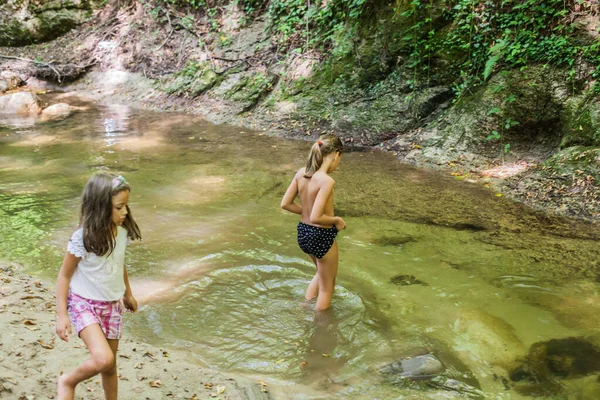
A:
64	391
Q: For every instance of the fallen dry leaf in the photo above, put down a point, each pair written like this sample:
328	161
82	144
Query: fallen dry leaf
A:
148	354
31	297
325	355
155	384
220	390
261	383
138	366
208	385
45	345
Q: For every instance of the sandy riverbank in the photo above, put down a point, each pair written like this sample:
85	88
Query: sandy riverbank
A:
32	356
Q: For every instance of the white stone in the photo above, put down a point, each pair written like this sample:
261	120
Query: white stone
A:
56	112
22	103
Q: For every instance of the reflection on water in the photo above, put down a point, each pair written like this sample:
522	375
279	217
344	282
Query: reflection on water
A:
428	265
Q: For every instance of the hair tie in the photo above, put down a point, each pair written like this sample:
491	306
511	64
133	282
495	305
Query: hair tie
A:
320	143
118	181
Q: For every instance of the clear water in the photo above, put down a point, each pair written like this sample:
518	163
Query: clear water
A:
219	273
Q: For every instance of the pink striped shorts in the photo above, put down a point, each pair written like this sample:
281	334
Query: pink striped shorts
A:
85	312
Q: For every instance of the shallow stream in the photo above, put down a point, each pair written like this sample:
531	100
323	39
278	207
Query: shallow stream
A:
478	278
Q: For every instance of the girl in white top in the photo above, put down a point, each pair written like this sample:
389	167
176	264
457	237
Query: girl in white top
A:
92	282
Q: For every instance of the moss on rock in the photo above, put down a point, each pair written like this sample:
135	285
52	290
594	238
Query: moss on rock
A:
41	21
581	122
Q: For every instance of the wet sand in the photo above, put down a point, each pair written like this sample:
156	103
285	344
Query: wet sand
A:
32	356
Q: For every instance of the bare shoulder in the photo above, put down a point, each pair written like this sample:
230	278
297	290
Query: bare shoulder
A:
301	172
326	181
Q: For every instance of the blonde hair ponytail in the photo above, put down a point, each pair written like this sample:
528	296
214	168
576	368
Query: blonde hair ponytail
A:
326	145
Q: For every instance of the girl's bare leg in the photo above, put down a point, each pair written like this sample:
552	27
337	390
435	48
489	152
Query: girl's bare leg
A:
102	360
313	286
327	270
110	379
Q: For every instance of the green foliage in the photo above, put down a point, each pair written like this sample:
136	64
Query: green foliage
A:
485	35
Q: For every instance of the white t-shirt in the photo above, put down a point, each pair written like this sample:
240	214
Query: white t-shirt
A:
98	278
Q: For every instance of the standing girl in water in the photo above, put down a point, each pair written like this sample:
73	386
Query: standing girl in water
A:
318	226
93	280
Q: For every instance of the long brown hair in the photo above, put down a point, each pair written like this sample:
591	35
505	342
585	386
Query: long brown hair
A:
96	214
326	145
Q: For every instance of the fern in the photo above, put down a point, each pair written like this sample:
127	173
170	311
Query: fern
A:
496	52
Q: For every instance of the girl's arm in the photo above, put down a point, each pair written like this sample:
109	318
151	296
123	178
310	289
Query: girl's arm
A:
317	215
63	325
129	301
288	203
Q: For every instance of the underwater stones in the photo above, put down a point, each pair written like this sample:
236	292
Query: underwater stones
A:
22	103
462	389
407	280
551	367
393	240
424	366
56	112
558	358
427	372
486	337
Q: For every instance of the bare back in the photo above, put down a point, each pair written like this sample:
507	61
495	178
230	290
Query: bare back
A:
308	189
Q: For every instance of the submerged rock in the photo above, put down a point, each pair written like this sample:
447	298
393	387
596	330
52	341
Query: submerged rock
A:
22	103
549	364
487	337
419	367
427	372
462	389
393	240
56	112
559	358
406	280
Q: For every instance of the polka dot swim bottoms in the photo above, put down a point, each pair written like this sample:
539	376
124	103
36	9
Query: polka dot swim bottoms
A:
315	240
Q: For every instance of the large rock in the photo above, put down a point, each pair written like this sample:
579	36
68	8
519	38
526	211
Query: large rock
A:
23	23
22	103
581	122
520	108
56	112
549	364
9	81
483	336
419	367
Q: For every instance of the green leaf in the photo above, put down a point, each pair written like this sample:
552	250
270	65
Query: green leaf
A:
494	110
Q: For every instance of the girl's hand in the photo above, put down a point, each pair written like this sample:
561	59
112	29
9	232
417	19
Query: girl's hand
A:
63	327
340	224
130	303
